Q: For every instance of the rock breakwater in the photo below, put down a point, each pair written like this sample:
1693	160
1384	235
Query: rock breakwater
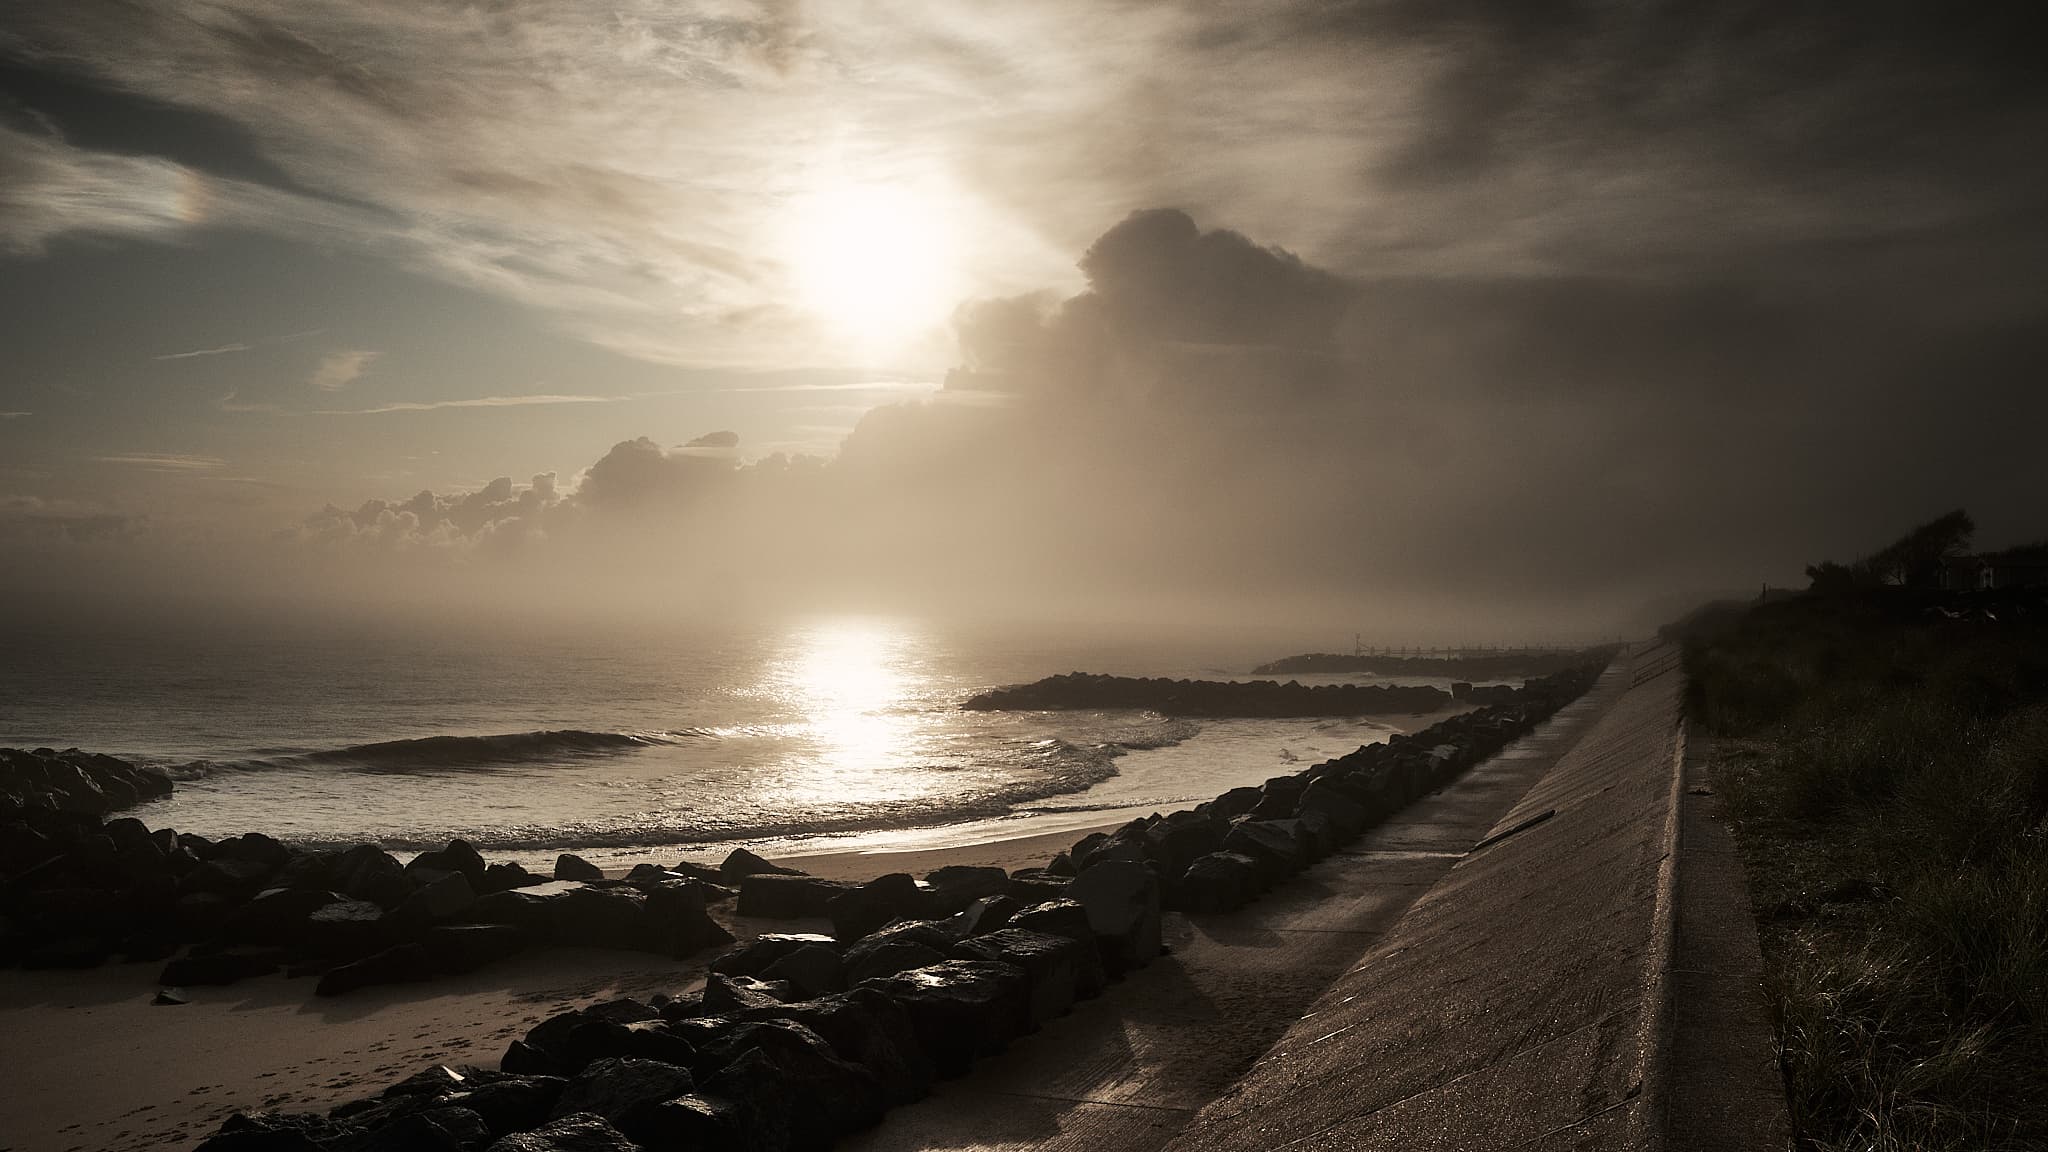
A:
1267	699
74	781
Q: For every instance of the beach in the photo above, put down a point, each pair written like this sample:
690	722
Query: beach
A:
91	1064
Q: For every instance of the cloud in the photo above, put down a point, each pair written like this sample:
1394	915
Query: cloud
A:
223	350
338	370
471	402
548	156
15	415
164	461
32	521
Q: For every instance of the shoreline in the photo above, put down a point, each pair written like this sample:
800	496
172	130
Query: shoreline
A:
94	1065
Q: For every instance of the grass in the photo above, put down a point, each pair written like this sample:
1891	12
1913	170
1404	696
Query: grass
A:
1886	766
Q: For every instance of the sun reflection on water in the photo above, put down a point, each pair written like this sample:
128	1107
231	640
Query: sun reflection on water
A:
850	682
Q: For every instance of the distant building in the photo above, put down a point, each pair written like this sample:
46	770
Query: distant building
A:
2012	568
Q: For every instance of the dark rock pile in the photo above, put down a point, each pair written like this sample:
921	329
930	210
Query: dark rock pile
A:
799	1038
74	781
1210	698
76	890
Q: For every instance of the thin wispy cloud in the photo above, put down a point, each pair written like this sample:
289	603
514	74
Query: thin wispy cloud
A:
472	402
164	461
338	370
223	350
233	402
15	415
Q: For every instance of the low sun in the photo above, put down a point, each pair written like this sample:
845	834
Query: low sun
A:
877	262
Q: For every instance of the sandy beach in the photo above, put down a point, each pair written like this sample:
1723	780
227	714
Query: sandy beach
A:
91	1064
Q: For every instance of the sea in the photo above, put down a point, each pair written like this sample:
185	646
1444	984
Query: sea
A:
647	741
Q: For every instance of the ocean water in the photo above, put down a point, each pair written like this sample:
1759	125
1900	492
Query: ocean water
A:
538	739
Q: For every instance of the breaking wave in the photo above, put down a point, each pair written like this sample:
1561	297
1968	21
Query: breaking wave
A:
452	753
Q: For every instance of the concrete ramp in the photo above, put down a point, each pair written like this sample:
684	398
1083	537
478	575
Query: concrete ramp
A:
1521	1003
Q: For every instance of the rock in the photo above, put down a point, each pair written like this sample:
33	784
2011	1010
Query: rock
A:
514	1103
984	915
439	900
271	1132
437	1129
702	873
454	948
367	872
1122	901
1272	844
1059	969
869	1029
505	877
740	864
460	856
600	918
227	876
398	964
218	968
276	916
724	995
1176	843
777	1063
1236	802
754	957
891	957
1345	814
1218	882
622	1089
1057	918
961	1009
696	1123
569	866
677	922
254	847
782	896
166	997
1278	798
860	911
581	1132
955	886
344	930
813	970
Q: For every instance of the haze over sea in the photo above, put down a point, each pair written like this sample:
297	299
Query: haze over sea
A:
614	742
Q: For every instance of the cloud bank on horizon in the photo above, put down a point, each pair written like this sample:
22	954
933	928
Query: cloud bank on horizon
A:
1589	302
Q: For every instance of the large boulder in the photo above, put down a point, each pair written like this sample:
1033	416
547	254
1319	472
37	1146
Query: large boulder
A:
622	1089
1274	844
513	1103
740	864
459	856
813	970
1058	918
569	866
869	1029
725	995
600	918
861	910
444	898
961	1009
955	886
581	1132
783	896
753	957
1059	969
217	968
1122	900
1218	882
399	964
1346	815
677	922
783	1065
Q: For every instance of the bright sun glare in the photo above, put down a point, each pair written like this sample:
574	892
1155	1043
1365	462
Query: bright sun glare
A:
878	262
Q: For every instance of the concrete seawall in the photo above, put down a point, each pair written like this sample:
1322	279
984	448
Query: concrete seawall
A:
1525	1001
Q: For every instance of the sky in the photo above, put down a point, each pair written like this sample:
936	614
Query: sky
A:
1549	312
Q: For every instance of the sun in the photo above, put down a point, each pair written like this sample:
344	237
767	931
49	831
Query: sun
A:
878	263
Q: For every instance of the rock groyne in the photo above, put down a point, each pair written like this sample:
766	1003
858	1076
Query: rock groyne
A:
1210	699
74	781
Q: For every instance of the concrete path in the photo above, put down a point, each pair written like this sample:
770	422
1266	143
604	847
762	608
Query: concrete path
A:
1527	1000
1130	1070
